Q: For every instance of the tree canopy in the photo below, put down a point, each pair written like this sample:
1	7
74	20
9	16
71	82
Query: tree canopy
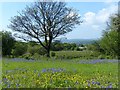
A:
7	43
110	40
45	21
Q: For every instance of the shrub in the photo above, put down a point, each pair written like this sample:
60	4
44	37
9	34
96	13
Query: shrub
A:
19	49
108	57
77	49
36	49
33	49
101	57
42	51
26	56
36	56
7	42
52	54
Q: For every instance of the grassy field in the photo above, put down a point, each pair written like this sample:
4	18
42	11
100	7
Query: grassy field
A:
80	55
76	54
18	73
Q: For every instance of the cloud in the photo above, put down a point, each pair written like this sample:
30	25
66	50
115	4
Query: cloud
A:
89	18
94	23
99	19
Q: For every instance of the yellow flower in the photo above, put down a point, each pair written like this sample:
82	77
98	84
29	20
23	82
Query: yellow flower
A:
83	81
8	76
37	80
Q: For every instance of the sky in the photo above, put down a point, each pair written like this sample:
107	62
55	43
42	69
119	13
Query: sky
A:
93	14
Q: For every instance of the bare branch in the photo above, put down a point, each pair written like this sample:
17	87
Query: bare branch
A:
46	20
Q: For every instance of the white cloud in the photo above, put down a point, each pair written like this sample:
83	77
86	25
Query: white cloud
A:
94	23
88	18
99	19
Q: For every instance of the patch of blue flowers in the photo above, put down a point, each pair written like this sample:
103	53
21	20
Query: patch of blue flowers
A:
53	70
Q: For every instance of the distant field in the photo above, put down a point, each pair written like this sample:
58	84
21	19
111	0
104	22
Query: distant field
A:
18	73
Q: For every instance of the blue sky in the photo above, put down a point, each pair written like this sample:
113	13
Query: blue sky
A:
94	14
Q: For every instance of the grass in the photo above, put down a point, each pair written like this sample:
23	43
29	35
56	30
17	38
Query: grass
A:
86	54
59	73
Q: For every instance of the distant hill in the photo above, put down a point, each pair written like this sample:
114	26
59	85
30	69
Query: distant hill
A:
79	41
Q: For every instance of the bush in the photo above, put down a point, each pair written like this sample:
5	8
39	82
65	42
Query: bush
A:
36	49
109	57
42	51
26	56
19	49
52	54
101	57
7	42
77	49
33	49
36	56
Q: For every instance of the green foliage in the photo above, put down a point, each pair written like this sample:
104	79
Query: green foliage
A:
95	47
33	49
77	49
42	51
53	54
20	48
32	43
58	46
27	56
109	43
36	49
109	57
7	43
101	57
36	56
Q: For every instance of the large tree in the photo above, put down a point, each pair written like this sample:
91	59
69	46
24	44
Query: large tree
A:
45	21
110	40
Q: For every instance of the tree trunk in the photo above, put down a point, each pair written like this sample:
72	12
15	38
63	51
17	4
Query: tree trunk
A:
48	52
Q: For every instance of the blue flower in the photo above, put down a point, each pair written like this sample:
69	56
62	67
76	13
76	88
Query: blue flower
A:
98	83
93	82
8	86
38	74
110	86
44	70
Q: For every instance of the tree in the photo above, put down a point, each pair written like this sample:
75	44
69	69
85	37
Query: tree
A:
19	49
110	40
45	21
109	43
7	43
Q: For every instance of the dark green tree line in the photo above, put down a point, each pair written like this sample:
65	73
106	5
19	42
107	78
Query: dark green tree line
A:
8	43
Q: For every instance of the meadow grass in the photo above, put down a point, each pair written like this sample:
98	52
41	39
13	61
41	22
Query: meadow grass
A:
86	54
59	73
